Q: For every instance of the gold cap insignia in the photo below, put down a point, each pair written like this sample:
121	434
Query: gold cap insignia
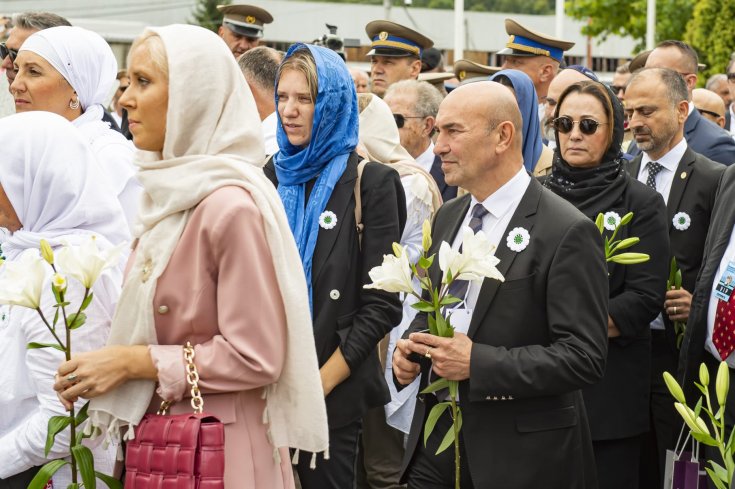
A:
383	36
462	75
250	19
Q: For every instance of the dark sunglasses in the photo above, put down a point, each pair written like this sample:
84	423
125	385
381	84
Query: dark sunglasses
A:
6	51
731	77
401	119
565	124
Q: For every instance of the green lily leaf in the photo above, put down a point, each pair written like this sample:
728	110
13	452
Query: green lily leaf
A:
704	438
435	386
717	482
76	320
33	346
87	301
433	417
46	472
449	437
85	464
719	470
423	306
82	416
677	279
432	325
55	425
111	482
449	300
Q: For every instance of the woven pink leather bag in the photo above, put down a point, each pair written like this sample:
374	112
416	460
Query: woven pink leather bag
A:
183	451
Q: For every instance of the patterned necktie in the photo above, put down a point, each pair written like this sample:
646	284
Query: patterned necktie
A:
653	170
459	287
723	334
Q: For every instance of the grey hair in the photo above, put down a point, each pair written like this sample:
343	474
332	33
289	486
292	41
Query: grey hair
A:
260	65
714	80
623	69
676	88
428	98
38	21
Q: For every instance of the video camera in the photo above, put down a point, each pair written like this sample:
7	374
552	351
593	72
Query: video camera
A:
332	41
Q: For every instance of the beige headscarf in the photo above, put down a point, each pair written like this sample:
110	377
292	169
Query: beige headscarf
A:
212	140
381	142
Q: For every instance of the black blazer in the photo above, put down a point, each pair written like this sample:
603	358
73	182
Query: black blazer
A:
448	192
692	348
345	314
538	338
618	405
704	137
692	191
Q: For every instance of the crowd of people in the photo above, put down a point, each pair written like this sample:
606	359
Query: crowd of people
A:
255	209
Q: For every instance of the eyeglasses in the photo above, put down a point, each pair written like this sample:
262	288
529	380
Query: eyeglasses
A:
401	119
565	124
731	77
6	51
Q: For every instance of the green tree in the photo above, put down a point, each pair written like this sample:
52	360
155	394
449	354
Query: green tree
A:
206	14
628	18
712	34
506	6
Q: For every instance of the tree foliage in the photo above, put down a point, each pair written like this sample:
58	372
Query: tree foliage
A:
206	14
628	18
712	34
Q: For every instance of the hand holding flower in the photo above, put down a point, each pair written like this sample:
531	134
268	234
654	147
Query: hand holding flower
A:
450	357
678	304
404	369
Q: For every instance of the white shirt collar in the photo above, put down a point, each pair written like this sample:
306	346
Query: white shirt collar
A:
670	160
691	108
426	159
507	196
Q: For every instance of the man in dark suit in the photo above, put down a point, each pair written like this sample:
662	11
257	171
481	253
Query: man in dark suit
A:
656	102
703	341
414	105
527	345
705	137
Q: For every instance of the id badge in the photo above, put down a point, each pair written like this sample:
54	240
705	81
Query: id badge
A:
725	286
461	320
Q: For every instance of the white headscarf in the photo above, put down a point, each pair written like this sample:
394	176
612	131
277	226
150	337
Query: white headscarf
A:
54	184
213	141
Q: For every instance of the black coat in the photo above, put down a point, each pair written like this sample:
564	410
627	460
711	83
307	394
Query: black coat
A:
448	192
538	338
618	405
346	315
692	191
704	137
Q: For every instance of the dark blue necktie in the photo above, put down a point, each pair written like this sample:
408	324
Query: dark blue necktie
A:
458	288
653	170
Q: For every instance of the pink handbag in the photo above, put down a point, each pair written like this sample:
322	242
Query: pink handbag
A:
183	451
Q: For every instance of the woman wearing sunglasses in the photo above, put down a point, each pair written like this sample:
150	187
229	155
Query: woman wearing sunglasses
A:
589	172
315	172
70	71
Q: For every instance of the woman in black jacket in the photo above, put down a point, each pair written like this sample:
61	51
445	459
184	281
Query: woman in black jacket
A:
315	172
589	172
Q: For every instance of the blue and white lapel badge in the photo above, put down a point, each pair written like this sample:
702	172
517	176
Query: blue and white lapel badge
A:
518	239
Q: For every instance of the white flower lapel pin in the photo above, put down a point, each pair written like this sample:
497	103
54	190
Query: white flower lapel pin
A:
327	220
611	220
518	239
682	221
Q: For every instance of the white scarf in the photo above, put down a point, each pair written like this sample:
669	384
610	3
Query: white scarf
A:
54	184
212	141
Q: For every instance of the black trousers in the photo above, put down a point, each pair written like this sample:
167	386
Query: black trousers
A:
19	481
617	462
339	471
431	471
381	453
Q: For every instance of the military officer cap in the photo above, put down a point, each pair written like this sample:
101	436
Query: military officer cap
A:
391	39
436	79
468	71
525	42
245	20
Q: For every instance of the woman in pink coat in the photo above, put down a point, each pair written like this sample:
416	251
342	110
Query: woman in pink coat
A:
214	264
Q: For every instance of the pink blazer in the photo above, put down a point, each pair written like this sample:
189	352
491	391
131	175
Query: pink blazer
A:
219	291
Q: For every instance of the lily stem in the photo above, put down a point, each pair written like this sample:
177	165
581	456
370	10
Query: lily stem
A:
72	416
455	427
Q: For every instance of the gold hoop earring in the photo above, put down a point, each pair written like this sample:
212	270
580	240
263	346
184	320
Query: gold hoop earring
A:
74	105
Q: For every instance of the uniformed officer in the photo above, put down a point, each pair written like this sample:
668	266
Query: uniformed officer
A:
468	71
537	55
395	54
242	26
437	80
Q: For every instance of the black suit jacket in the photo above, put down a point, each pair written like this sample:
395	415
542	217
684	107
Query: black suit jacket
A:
448	192
695	195
538	338
618	405
346	315
692	348
704	137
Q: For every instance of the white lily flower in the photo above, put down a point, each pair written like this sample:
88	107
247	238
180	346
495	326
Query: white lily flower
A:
476	261
22	280
87	262
394	274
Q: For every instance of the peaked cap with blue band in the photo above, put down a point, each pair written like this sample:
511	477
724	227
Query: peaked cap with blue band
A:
390	39
525	42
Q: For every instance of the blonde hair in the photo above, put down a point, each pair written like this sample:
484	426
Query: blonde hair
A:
156	49
303	62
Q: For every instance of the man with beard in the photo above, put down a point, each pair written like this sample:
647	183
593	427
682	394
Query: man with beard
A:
656	101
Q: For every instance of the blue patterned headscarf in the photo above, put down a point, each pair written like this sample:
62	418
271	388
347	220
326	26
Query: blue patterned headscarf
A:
334	136
528	103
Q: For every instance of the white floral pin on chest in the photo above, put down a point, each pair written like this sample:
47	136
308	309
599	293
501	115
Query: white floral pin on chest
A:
682	221
611	220
327	220
518	239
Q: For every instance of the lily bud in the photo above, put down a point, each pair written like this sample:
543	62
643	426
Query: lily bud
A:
426	235
674	388
58	282
397	250
626	219
722	383
46	252
704	375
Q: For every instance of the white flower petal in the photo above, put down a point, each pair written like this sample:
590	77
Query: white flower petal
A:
518	239
682	221
611	220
